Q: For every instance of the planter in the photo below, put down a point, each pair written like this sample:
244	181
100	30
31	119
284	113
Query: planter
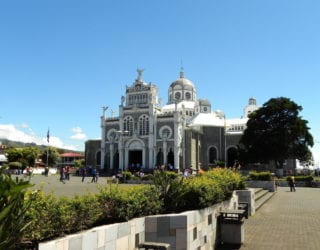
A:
269	185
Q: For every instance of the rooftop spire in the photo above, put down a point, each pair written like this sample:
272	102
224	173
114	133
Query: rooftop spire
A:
181	72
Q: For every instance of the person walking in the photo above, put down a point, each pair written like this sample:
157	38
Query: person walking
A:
83	173
94	175
292	184
62	174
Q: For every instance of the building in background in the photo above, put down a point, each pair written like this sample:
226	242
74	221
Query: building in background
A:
68	158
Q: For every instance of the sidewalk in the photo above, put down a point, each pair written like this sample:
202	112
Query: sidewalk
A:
288	221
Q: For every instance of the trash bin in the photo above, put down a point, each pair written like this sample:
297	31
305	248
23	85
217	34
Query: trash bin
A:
231	226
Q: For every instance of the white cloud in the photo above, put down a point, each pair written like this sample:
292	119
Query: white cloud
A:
78	134
15	133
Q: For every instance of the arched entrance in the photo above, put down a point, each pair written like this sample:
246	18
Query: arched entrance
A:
171	157
135	154
159	158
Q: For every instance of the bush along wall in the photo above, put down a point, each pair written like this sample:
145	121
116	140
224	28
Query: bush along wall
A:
50	216
260	176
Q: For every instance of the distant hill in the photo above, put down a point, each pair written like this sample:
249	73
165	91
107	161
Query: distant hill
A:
18	144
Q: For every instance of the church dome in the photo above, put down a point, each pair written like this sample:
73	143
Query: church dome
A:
182	82
182	89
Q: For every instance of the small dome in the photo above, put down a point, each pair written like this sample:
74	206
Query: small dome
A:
204	102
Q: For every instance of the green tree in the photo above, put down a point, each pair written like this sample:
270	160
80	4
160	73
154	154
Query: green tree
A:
276	132
14	154
26	156
79	163
53	156
30	155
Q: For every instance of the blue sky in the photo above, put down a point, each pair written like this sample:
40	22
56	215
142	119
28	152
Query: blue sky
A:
61	61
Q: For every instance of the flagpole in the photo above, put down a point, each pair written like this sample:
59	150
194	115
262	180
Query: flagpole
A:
48	139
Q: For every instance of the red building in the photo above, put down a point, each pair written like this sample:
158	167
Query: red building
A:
67	159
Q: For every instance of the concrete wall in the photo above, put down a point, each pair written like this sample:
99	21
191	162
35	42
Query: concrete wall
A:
269	185
189	230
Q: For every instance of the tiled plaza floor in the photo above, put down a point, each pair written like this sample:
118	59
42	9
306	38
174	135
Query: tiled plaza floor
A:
288	221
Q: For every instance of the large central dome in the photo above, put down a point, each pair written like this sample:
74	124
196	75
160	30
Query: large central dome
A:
181	89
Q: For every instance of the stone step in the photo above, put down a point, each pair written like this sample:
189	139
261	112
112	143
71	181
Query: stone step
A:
262	198
259	193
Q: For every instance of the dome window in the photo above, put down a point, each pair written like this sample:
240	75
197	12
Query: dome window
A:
177	95
188	96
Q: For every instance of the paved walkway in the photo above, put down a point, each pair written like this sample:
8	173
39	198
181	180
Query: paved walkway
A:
288	221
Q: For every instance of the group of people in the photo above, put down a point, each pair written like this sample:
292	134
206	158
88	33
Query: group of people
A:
83	172
64	174
90	172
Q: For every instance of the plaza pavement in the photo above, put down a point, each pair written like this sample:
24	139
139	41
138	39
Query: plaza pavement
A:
288	221
71	188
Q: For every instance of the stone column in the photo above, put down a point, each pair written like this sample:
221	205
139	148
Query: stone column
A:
111	148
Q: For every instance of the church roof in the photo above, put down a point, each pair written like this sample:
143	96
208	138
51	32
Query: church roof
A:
172	107
206	119
212	120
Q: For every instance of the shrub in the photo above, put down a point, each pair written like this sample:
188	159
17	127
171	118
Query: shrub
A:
260	176
125	204
179	194
307	178
13	208
51	216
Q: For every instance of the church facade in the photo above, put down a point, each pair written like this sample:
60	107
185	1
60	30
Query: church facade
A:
185	132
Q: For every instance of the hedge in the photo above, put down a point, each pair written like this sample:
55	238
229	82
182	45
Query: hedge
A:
51	216
260	176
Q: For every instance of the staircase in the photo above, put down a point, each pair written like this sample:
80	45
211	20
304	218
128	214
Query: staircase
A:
261	196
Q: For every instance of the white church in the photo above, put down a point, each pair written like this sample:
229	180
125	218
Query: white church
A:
184	133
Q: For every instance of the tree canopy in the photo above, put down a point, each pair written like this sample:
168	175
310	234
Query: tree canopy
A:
276	132
26	156
51	154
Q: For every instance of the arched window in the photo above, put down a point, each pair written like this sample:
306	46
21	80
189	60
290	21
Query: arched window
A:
212	155
144	125
128	124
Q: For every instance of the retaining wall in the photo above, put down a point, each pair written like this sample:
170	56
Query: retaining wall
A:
188	230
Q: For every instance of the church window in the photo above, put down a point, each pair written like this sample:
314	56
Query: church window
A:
205	109
188	95
128	124
144	125
177	95
165	132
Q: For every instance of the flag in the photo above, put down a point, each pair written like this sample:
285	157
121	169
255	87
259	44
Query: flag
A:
48	136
